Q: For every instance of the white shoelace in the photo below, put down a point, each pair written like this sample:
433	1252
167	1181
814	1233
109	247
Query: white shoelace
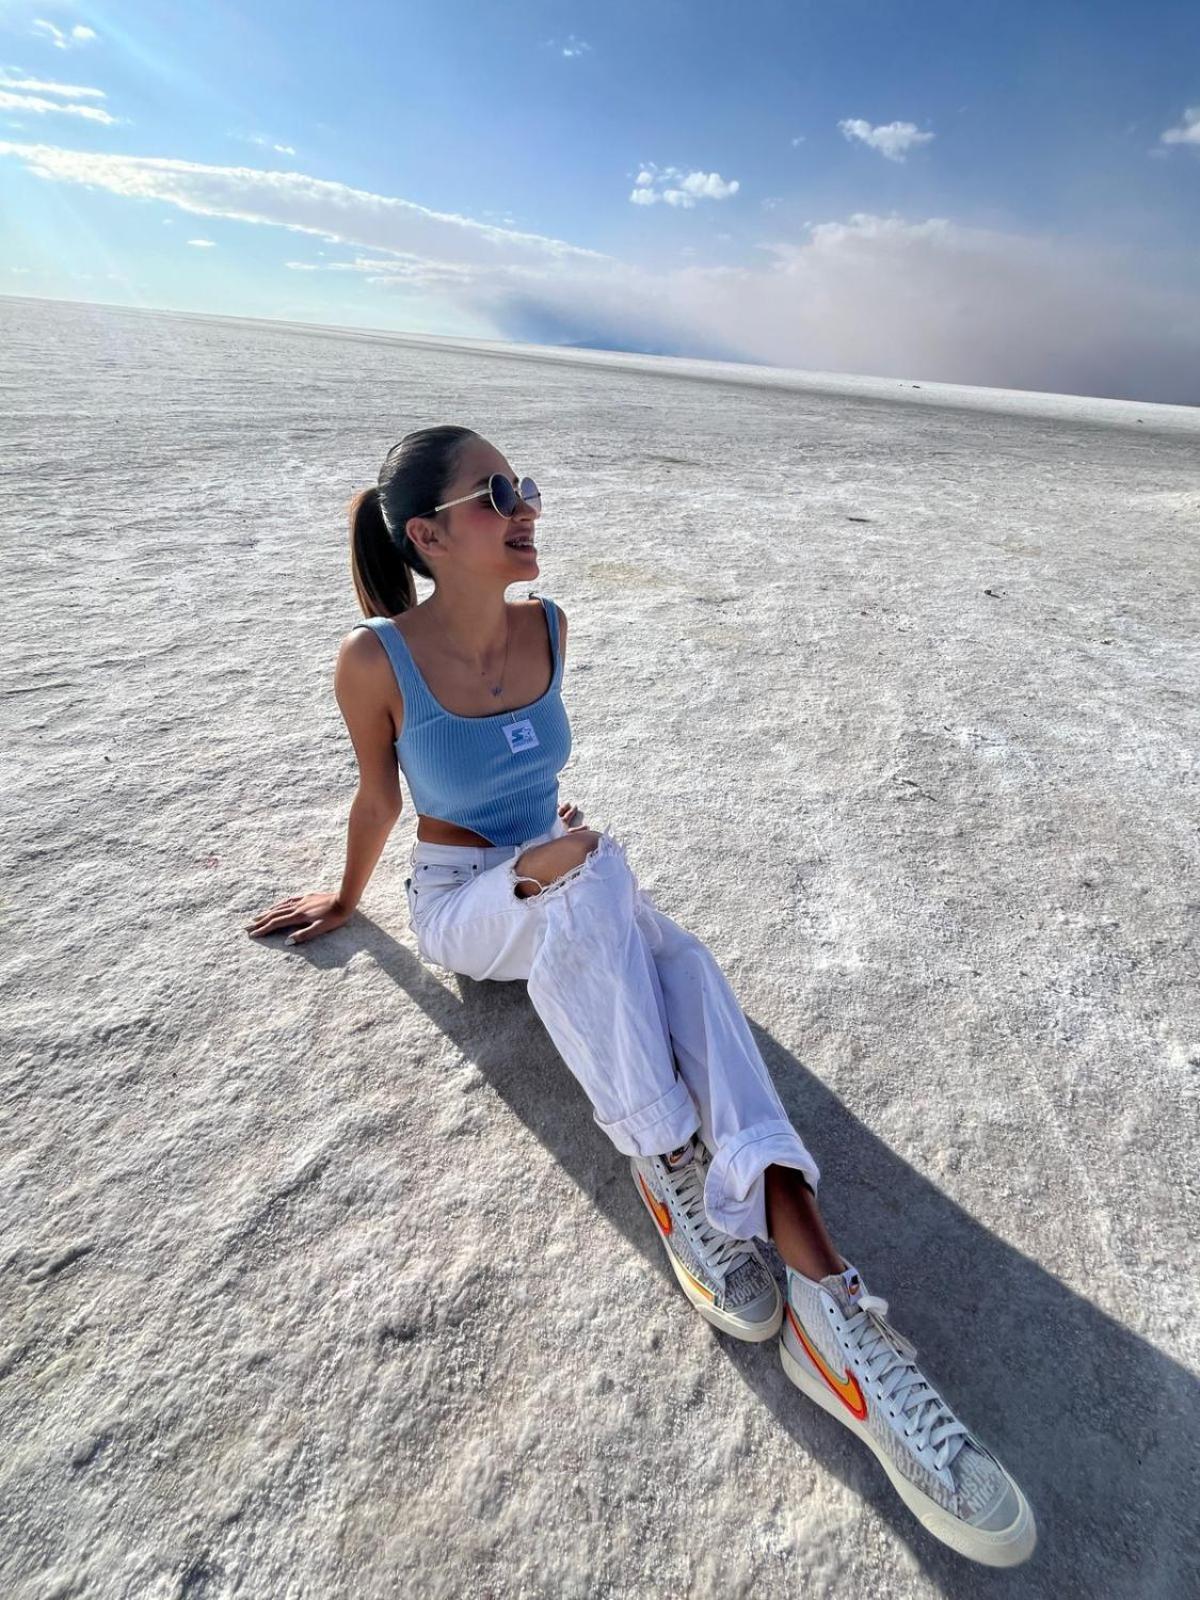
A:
719	1251
927	1417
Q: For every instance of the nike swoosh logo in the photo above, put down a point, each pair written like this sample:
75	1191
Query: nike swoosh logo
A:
846	1388
661	1215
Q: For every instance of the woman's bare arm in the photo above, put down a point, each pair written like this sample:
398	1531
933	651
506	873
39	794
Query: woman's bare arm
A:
362	690
361	687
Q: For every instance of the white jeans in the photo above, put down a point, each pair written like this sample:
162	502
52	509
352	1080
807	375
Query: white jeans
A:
636	1006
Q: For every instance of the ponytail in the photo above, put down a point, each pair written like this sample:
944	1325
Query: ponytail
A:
412	479
383	579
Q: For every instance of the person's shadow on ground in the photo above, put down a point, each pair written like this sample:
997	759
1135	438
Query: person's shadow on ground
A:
1099	1428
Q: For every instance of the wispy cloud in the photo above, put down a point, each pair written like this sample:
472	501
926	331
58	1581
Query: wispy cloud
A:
418	272
79	34
572	48
1188	131
269	144
304	205
63	108
64	91
203	244
674	187
891	139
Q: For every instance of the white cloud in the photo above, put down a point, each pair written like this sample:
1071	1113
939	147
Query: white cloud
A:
678	188
203	244
1188	131
269	144
63	41
302	204
880	295
65	91
887	296
891	139
416	272
42	107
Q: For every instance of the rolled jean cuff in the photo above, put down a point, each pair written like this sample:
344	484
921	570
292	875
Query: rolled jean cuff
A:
735	1190
658	1128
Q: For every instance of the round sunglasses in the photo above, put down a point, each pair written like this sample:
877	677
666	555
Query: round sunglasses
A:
503	494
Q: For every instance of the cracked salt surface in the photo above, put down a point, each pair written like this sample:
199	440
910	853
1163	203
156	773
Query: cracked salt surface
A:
318	1278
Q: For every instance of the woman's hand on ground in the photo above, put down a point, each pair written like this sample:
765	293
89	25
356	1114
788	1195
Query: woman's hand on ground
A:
315	914
571	814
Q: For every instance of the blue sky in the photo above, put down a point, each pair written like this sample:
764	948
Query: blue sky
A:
981	193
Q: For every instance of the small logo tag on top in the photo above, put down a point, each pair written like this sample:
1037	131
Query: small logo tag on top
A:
520	735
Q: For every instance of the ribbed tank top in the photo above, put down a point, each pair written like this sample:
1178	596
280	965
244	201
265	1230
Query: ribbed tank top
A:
498	774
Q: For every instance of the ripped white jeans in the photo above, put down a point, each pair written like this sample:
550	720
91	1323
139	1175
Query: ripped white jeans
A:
636	1006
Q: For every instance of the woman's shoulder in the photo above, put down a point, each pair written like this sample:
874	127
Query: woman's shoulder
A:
357	644
365	660
538	601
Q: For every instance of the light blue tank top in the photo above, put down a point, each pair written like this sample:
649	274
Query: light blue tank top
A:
497	775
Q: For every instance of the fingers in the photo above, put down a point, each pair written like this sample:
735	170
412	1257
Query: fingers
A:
278	924
275	910
272	922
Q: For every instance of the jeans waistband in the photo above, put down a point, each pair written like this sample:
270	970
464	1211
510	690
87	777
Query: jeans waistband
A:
476	855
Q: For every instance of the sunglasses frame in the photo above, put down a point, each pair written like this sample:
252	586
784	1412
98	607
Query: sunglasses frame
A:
479	493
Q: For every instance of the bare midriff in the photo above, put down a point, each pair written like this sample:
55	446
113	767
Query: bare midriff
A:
438	831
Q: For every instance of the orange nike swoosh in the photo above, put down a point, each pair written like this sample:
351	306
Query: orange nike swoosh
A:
846	1389
661	1215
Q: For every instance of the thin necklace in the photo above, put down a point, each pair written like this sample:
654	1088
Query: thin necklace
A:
507	641
507	636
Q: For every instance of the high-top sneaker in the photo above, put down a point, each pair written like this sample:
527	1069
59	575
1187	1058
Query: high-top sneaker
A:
725	1279
838	1347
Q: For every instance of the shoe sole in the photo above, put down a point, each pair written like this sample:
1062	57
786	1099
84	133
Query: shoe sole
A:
1007	1548
756	1333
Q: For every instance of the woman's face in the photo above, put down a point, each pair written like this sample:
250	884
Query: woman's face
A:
474	535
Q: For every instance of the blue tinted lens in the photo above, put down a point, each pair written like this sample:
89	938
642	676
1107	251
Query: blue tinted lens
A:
504	494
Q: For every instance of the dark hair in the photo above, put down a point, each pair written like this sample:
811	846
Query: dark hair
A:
412	480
